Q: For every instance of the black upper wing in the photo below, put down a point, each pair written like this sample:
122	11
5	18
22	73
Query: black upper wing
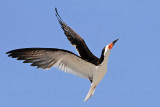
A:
77	41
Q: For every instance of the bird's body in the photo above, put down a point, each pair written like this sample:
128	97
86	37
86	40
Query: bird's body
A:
99	72
85	65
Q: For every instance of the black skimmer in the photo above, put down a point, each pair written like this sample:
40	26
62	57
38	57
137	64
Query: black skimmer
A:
85	65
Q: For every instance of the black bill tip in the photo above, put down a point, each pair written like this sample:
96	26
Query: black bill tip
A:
115	41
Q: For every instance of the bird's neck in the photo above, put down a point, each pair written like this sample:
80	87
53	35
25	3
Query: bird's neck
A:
106	57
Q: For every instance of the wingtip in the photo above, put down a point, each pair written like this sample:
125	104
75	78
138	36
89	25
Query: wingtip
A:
12	51
56	10
58	17
9	52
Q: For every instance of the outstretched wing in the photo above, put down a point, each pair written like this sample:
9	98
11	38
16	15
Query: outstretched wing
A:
77	41
45	58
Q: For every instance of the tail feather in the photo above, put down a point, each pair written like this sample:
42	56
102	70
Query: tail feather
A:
90	93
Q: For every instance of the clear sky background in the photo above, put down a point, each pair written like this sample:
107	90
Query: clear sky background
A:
133	77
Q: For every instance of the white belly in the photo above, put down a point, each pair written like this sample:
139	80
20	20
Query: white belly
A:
99	74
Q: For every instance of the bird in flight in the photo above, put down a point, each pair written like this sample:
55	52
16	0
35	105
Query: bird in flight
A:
85	65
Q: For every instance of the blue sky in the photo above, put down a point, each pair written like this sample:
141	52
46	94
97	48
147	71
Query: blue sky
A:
133	73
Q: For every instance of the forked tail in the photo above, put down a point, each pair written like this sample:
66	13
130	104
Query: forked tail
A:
91	92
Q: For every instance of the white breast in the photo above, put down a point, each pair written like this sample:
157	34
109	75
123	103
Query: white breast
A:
100	72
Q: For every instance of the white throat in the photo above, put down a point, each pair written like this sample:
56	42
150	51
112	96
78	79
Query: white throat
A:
106	54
